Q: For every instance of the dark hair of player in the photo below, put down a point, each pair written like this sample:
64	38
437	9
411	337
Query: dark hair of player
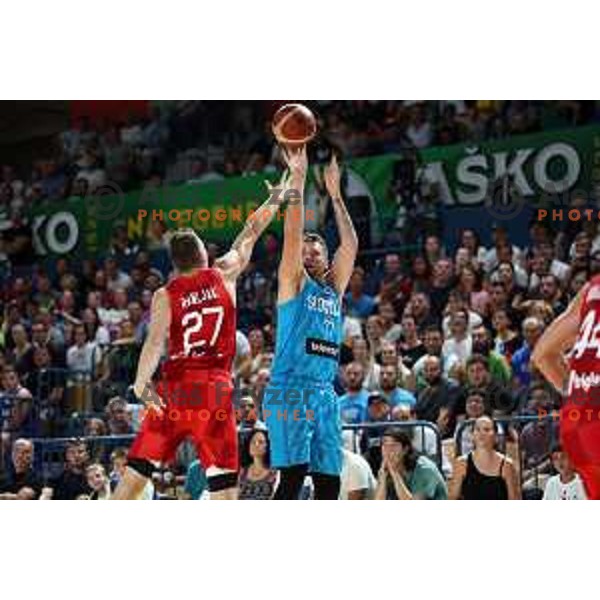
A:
187	250
315	238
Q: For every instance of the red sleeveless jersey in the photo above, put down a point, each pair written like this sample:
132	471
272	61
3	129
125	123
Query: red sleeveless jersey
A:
203	321
584	358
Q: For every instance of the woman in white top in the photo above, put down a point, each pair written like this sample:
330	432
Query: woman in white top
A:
567	485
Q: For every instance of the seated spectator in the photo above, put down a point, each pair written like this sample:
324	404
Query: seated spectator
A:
391	329
196	483
370	443
404	475
475	406
98	482
484	473
410	346
362	355
459	343
118	460
16	408
96	332
118	417
566	484
257	481
507	340
498	367
374	330
357	480
19	481
353	404
424	438
247	414
455	304
433	342
83	357
521	360
358	304
95	427
436	400
21	356
72	482
388	386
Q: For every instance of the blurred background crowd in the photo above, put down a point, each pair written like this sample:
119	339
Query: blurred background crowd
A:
436	335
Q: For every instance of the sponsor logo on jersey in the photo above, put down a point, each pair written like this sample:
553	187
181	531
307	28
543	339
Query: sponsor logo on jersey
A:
583	381
327	306
322	348
594	293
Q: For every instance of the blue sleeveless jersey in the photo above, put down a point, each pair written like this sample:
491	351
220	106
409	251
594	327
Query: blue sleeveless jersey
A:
309	334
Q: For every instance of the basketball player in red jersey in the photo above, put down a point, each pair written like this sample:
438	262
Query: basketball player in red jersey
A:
195	311
576	375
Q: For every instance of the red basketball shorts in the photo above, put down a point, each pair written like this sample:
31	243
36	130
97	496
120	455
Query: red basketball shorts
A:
199	407
580	438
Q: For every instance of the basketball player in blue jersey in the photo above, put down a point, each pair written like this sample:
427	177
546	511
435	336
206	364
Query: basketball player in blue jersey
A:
300	406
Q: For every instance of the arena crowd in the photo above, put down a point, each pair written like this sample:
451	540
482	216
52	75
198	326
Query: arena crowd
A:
436	337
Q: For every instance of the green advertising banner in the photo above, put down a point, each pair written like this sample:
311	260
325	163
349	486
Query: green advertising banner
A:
549	163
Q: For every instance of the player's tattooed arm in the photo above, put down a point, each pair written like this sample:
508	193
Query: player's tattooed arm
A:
236	260
343	260
549	352
153	345
291	269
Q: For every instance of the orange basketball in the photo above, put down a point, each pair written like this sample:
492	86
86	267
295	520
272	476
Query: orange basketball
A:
294	125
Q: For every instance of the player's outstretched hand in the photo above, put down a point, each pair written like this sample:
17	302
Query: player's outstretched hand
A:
296	160
332	177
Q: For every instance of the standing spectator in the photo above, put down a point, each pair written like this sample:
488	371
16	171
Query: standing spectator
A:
353	404
83	356
22	354
19	481
484	473
16	408
404	475
566	485
257	480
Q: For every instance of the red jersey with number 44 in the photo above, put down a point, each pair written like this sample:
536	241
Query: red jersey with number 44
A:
203	321
584	358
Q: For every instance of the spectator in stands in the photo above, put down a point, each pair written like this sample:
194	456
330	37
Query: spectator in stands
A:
118	460
357	480
83	356
95	427
21	355
424	438
16	408
72	482
19	481
389	356
96	332
410	346
375	330
247	414
436	400
475	407
507	340
497	365
362	355
353	404
257	481
388	385
358	303
521	360
379	412
118	417
116	279
460	341
391	329
433	343
420	309
140	326
484	473
566	484
98	482
404	475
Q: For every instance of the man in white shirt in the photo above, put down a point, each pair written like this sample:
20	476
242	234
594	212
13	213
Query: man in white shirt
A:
357	480
567	485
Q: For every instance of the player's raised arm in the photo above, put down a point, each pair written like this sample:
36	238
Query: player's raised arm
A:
291	269
343	260
549	352
234	262
153	345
